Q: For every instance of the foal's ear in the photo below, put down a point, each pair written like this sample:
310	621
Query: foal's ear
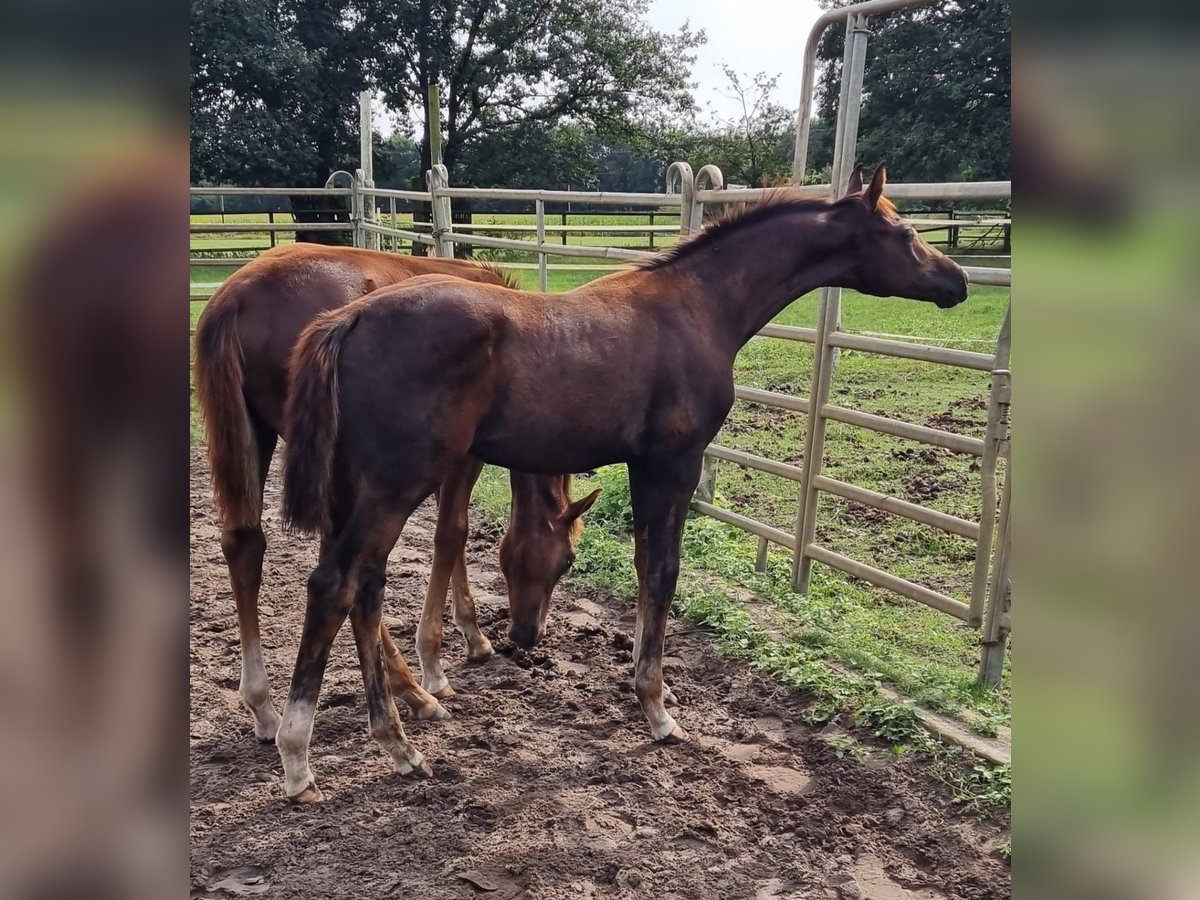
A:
578	507
855	185
875	191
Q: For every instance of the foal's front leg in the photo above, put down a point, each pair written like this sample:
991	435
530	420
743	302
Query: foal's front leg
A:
449	543
660	492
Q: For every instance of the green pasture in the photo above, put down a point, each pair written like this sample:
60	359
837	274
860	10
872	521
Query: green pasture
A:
232	242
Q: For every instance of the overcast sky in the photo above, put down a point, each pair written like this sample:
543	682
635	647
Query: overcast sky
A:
750	35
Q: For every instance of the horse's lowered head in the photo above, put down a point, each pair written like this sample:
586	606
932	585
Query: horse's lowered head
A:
892	260
535	553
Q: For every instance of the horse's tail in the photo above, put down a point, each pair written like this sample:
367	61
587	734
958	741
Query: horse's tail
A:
232	451
507	278
311	421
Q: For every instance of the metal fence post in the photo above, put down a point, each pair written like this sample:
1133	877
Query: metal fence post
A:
995	628
437	179
992	439
540	211
830	315
682	172
356	209
709	178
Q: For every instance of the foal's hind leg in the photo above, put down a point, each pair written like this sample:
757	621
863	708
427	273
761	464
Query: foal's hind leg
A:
400	677
449	542
244	545
352	569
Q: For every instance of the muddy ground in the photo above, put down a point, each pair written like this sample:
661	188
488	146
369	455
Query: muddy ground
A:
544	783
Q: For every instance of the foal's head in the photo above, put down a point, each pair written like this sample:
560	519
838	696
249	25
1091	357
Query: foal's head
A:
538	549
893	261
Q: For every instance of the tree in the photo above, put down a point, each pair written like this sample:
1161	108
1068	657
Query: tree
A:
506	66
755	147
937	92
274	95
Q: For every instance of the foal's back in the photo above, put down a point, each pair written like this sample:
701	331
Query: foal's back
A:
596	372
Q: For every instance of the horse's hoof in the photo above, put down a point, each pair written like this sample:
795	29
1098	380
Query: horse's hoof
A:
669	698
671	735
445	692
311	794
265	735
482	653
420	770
265	731
433	712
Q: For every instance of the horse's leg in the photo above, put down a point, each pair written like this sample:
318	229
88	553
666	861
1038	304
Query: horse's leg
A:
400	677
367	620
660	492
352	566
403	682
449	542
466	619
479	647
244	545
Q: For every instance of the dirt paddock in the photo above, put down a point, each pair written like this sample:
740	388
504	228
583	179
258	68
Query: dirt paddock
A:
544	784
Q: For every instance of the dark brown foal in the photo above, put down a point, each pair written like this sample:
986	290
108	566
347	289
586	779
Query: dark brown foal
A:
243	340
399	387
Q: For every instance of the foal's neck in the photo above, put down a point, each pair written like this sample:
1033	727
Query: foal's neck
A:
745	275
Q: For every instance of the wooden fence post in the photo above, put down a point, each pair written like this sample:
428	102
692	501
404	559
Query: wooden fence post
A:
437	179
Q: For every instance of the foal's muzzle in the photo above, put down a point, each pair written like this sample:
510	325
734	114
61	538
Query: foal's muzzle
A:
525	635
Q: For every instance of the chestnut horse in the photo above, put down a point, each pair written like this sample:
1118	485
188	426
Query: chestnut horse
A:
243	341
636	367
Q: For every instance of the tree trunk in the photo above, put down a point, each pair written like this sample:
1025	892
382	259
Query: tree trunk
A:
309	209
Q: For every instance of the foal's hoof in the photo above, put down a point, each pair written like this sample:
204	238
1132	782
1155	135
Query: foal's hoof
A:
482	652
670	733
445	692
311	794
420	769
432	712
669	698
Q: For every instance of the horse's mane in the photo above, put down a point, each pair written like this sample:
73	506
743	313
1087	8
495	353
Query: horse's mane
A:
510	278
778	201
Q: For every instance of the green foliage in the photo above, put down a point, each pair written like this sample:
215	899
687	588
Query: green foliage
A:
613	510
505	66
937	92
754	148
273	90
888	721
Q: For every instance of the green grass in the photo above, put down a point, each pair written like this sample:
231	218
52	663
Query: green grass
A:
846	637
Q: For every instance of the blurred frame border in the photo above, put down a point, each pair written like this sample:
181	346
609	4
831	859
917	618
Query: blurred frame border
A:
93	449
1106	122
